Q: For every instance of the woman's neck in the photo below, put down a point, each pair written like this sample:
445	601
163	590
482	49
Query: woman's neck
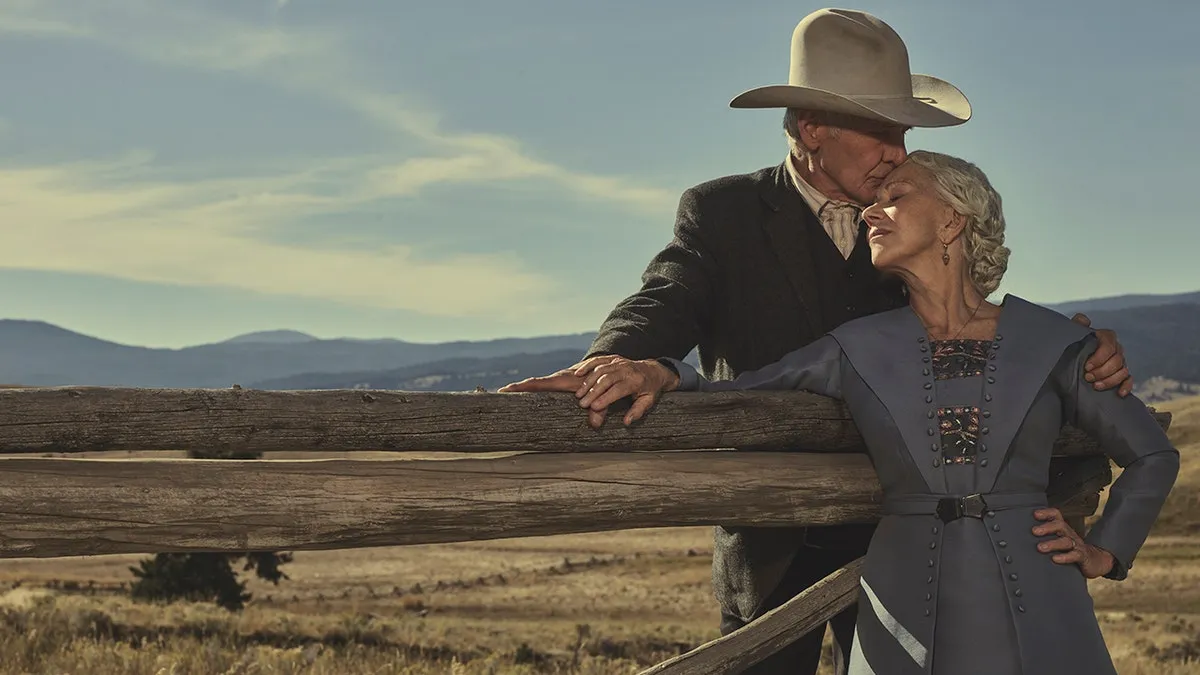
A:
948	305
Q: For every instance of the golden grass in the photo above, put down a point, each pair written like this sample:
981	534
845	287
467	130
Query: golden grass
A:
590	604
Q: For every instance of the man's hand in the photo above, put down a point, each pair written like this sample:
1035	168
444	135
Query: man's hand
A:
1106	366
562	380
608	381
1093	561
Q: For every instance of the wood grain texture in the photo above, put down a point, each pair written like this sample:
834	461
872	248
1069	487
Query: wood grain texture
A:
59	507
772	631
87	419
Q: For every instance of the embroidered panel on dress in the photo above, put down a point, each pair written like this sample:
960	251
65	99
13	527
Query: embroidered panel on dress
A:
959	358
959	426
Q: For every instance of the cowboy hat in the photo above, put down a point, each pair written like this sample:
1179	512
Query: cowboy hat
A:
850	62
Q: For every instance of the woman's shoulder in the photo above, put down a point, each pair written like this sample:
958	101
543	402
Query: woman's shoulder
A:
1020	318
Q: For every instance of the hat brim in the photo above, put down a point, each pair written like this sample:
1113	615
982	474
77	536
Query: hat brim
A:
934	103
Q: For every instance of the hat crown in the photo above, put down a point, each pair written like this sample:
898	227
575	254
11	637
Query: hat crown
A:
851	53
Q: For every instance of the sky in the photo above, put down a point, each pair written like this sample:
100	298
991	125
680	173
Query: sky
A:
177	172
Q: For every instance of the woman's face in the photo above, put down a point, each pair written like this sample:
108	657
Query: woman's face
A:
905	221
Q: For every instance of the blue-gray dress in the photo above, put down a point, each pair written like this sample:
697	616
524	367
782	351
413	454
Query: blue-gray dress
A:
960	434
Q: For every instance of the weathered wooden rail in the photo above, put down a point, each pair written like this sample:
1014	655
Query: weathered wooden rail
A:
798	461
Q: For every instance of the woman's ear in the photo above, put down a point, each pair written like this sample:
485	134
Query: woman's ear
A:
954	226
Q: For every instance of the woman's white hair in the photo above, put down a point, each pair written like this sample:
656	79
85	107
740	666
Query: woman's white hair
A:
966	189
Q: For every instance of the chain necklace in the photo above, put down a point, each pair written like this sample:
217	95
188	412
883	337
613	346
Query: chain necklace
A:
961	328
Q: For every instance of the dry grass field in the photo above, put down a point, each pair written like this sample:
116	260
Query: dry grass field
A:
599	603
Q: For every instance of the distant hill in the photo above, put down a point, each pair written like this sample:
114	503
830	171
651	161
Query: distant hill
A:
1124	302
275	337
1160	340
35	353
458	374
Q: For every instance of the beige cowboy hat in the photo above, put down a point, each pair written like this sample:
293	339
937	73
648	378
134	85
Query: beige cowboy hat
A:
850	62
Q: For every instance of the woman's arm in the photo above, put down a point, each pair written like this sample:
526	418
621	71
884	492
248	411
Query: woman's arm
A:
1130	435
815	367
603	380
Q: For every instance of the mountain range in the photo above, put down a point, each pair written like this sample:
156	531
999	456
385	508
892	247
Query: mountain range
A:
1159	334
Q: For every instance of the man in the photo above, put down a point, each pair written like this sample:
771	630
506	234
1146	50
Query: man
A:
764	263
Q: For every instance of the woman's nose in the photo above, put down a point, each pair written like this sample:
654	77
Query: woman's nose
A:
872	214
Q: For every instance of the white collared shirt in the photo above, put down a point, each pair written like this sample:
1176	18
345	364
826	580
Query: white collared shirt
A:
840	219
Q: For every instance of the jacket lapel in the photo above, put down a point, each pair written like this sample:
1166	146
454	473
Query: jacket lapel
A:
791	240
1029	342
890	353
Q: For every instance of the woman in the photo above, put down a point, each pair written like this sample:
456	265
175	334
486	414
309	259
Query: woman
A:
959	401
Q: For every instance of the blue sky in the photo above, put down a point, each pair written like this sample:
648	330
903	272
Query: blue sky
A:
177	172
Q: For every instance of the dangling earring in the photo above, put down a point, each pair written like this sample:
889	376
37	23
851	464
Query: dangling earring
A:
946	254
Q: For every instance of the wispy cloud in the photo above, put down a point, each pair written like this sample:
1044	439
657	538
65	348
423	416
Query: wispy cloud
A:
119	218
77	220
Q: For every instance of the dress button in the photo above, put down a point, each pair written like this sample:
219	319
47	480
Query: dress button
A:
983	447
1008	558
995	346
1021	608
927	612
925	371
929	414
936	462
984	431
991	380
987	414
921	340
1013	576
930	564
925	360
991	514
929	399
1017	592
924	348
935	447
929	431
1002	543
929	580
935	530
928	385
996	527
987	397
928	597
992	367
983	462
999	337
932	545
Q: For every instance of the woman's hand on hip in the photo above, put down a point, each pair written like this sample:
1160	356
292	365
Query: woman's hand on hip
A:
607	380
1093	561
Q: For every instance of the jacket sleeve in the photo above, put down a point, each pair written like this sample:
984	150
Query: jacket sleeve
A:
666	316
1130	435
815	367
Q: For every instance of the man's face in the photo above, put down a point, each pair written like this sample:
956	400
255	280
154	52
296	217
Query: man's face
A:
857	155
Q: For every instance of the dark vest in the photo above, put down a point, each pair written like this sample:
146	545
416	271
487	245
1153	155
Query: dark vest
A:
849	288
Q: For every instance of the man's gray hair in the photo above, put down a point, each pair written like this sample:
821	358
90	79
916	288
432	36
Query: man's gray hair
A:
792	117
966	189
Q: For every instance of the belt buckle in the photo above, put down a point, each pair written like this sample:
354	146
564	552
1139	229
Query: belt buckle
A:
953	508
974	505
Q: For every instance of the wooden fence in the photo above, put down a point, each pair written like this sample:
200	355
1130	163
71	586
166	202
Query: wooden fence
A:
697	459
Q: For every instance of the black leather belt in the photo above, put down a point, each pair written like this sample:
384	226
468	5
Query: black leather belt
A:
953	507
